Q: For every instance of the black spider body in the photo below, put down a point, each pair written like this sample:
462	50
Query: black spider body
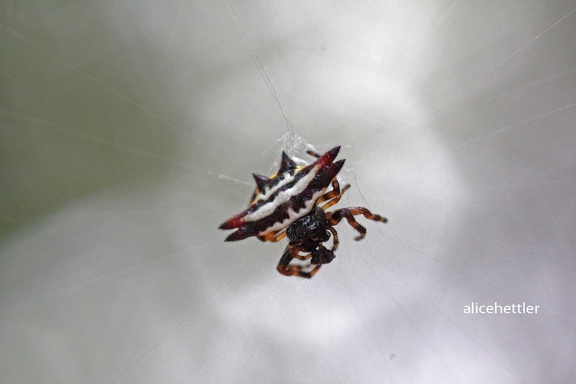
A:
308	231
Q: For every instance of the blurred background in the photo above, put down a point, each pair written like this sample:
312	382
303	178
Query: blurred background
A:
129	131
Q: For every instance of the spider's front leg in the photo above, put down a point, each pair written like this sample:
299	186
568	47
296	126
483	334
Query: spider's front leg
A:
348	213
335	194
273	237
285	268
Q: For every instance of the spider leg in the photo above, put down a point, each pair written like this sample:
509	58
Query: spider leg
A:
348	213
334	238
285	268
273	237
313	153
301	257
335	194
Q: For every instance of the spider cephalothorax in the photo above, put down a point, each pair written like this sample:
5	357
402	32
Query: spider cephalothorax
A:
287	204
308	233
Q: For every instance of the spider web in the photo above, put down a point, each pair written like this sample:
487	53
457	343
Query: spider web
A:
130	131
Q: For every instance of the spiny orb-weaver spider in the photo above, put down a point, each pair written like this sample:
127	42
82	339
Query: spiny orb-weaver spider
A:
288	204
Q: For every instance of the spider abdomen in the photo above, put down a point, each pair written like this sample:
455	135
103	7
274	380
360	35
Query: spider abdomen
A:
284	198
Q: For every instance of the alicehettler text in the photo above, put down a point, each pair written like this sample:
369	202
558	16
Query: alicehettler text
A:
498	308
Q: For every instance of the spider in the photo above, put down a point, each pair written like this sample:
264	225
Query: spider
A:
293	203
